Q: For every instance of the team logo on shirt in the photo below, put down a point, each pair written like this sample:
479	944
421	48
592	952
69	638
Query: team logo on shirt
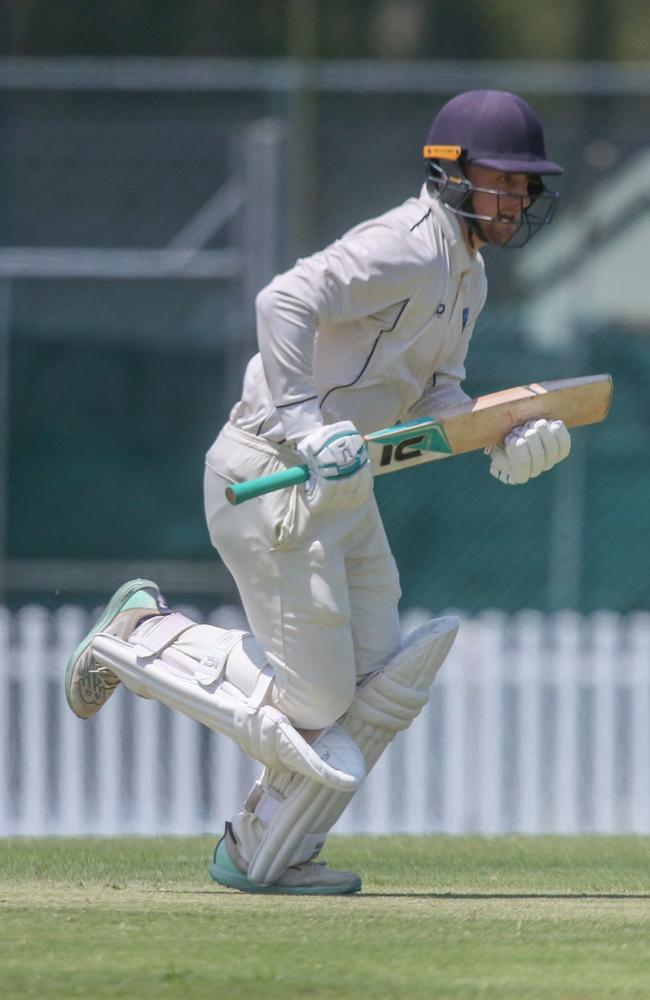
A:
465	316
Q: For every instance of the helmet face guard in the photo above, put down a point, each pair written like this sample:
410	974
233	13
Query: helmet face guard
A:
447	182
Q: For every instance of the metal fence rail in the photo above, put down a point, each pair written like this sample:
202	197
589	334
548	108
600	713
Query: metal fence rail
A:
536	725
377	76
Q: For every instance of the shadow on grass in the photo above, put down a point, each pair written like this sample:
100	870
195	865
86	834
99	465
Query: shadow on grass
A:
442	896
505	895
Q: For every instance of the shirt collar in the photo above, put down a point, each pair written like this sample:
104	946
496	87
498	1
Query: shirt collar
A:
459	256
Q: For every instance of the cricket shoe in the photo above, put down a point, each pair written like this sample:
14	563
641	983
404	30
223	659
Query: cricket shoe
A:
89	685
311	878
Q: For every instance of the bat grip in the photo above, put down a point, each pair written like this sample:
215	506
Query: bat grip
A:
240	492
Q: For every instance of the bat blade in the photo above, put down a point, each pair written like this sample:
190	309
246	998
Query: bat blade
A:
486	421
469	426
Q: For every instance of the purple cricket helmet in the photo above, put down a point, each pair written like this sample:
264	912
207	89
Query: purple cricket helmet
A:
495	129
498	130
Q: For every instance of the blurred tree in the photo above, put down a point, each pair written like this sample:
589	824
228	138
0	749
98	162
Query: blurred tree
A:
633	31
90	27
343	27
456	32
235	27
5	29
444	29
400	27
508	29
599	22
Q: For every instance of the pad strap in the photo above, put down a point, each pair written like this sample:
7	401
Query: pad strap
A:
160	634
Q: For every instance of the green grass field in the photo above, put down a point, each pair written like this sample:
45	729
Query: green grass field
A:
509	918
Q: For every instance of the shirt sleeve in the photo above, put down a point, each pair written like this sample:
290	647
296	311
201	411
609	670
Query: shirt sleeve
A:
372	267
444	391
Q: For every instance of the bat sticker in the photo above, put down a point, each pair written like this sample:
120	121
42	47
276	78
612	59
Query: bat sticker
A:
409	446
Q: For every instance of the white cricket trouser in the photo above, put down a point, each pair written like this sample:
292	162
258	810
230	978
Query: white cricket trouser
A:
320	590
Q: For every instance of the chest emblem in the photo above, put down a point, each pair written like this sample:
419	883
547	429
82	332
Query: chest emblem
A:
440	310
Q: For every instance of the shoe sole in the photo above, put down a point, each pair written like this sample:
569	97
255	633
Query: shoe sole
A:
225	873
113	607
244	885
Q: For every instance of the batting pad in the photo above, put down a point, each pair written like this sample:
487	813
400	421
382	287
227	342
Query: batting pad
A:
287	816
203	690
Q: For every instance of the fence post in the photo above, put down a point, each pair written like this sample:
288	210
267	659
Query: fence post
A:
145	811
6	653
72	623
32	667
226	758
184	747
491	669
533	655
258	153
605	652
109	765
566	651
453	678
638	679
5	423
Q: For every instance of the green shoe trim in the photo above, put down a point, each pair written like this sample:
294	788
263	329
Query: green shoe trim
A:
137	600
225	872
122	599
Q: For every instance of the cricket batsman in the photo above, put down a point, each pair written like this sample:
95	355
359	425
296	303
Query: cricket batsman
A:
370	331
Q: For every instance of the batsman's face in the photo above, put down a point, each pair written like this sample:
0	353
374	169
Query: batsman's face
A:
502	197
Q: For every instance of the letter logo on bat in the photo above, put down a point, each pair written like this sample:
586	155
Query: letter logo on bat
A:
407	446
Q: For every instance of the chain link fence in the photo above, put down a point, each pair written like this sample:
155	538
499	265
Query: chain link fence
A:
115	381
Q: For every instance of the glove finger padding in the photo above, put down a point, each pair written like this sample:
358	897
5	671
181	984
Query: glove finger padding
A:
549	442
562	438
341	477
554	439
526	453
529	450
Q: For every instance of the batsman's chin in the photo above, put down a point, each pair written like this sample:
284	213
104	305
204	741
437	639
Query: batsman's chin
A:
500	233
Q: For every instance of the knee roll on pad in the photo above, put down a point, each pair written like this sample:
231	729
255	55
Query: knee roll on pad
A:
287	817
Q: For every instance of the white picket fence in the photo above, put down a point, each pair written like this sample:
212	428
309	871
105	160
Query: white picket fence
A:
536	725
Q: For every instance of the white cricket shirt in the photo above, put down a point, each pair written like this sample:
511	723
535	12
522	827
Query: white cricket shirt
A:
374	328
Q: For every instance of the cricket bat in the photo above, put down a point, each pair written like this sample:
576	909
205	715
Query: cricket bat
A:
469	426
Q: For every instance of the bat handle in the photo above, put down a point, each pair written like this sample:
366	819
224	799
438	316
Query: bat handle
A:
240	492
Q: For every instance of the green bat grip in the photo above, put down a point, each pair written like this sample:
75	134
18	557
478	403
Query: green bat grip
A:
239	492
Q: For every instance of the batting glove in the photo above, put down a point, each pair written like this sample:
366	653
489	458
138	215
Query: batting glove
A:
529	450
341	477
